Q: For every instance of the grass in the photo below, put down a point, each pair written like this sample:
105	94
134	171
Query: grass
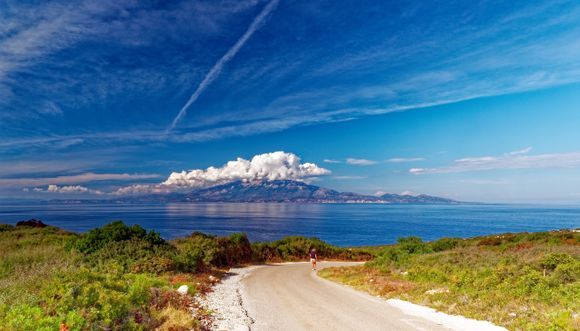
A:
46	284
526	281
121	277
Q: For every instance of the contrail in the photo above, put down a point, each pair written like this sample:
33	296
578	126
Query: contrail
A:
217	68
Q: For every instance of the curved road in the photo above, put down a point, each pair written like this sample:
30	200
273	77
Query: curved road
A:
292	297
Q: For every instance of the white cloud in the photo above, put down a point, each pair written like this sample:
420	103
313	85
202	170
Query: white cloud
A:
403	159
411	193
361	162
485	181
67	189
512	160
349	177
331	161
521	151
218	66
268	166
143	189
73	179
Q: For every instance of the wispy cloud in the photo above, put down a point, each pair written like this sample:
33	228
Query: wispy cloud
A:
331	161
513	160
349	177
217	68
403	159
521	151
73	189
59	60
360	162
55	55
485	181
73	179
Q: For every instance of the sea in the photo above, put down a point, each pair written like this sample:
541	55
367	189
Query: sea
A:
338	224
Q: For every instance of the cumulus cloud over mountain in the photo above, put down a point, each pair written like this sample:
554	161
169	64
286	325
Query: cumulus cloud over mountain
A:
268	166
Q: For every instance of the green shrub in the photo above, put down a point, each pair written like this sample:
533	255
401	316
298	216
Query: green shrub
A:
413	245
105	301
567	272
26	317
134	253
117	231
444	244
232	250
6	227
195	252
527	281
552	260
121	248
294	248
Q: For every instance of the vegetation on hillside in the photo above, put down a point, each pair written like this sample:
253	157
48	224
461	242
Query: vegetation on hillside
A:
524	281
121	277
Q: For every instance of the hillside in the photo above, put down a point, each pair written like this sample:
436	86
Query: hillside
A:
282	191
522	281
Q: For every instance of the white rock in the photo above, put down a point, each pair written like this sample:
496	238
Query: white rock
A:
437	290
183	289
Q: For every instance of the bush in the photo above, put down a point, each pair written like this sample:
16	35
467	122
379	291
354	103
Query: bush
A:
444	244
6	227
200	251
552	260
195	252
567	272
105	301
490	241
121	248
232	250
117	231
523	281
413	245
297	248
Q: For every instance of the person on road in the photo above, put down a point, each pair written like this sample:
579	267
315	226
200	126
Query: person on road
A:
313	258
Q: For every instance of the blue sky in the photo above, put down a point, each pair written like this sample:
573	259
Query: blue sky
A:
471	100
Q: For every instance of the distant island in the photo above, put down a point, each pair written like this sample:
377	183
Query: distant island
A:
283	191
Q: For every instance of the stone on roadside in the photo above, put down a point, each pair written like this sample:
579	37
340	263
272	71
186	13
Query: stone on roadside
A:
183	289
436	291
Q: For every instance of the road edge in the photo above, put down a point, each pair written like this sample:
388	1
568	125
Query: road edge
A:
453	322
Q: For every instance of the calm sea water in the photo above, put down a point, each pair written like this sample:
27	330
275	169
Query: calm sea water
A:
340	224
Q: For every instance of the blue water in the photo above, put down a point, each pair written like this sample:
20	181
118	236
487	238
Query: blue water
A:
340	224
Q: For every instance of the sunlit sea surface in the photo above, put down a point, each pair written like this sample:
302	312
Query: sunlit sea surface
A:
340	224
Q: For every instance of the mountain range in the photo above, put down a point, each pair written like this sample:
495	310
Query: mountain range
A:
282	191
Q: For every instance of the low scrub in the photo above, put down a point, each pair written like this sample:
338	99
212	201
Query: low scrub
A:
295	248
524	281
120	277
